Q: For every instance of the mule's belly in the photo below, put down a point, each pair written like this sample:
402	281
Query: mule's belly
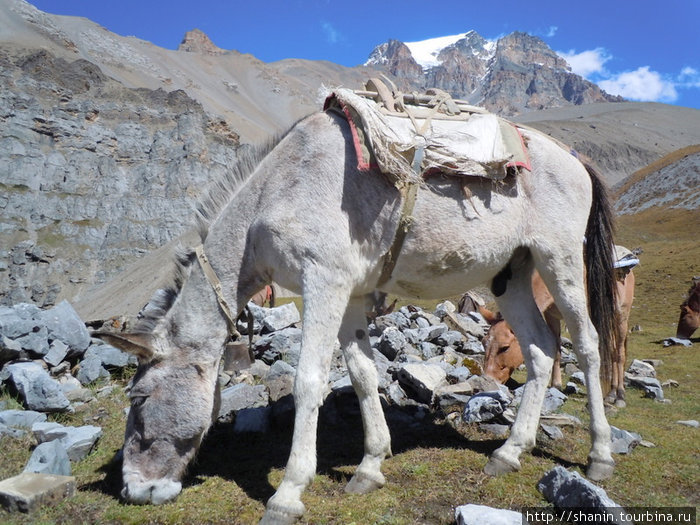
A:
456	243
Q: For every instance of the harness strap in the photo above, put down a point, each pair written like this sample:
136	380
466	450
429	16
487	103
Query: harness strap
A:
405	221
215	283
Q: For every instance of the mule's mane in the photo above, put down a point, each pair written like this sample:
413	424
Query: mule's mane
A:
215	198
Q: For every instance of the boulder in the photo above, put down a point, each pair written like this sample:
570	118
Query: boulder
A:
57	353
49	458
23	419
623	441
392	342
553	399
37	389
253	420
567	489
64	324
285	343
236	398
650	385
486	406
78	441
28	491
422	380
280	317
91	370
641	369
471	514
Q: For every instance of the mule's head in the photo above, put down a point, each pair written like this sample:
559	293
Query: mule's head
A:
172	402
503	354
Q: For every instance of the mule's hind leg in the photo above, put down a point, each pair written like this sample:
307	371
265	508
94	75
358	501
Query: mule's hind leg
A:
570	297
538	347
324	306
363	373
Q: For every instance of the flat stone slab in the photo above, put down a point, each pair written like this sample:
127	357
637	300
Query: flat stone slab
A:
29	491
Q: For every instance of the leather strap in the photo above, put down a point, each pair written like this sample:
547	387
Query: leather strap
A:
215	283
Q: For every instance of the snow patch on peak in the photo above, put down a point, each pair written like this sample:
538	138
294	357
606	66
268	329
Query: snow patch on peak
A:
425	52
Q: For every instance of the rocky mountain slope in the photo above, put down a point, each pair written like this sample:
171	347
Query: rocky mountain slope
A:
107	141
516	73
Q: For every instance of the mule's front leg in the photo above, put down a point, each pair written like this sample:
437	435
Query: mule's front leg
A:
323	312
363	373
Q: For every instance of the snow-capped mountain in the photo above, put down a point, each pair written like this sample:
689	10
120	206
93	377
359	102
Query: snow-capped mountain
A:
510	75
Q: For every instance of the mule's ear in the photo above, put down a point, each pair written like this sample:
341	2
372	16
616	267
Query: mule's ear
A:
490	317
139	344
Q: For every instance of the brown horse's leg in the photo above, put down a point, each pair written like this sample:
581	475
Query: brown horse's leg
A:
554	323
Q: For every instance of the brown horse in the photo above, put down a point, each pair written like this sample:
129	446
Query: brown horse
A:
690	312
504	355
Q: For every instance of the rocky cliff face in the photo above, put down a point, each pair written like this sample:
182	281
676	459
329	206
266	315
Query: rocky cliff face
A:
93	173
517	73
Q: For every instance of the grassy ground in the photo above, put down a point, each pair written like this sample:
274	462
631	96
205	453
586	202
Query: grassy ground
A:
435	466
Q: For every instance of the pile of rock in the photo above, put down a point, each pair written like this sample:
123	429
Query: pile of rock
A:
48	360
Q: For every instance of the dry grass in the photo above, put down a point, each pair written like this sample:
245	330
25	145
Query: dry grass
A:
435	466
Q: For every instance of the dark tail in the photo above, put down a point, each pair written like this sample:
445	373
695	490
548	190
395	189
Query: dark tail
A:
601	283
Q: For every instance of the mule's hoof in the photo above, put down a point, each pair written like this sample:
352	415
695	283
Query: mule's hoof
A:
497	466
363	484
276	515
600	470
620	403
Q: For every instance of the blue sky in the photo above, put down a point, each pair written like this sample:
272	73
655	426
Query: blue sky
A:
640	49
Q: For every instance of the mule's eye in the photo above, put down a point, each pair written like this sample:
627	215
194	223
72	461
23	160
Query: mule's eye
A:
137	401
503	349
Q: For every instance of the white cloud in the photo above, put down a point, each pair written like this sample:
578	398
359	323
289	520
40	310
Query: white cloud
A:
641	84
588	62
551	31
331	33
689	78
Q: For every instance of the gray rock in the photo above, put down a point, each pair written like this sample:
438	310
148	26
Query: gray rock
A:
689	423
422	380
485	406
641	369
49	458
623	441
11	432
650	385
451	338
279	368
285	343
91	370
109	356
579	377
496	429
429	350
459	374
57	353
471	514
552	431
673	341
21	418
445	307
64	324
571	388
570	490
392	342
560	420
9	349
253	420
394	319
236	398
38	390
78	441
35	343
28	491
280	317
553	399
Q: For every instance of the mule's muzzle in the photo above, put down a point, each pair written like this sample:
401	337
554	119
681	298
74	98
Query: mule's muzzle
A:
153	492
